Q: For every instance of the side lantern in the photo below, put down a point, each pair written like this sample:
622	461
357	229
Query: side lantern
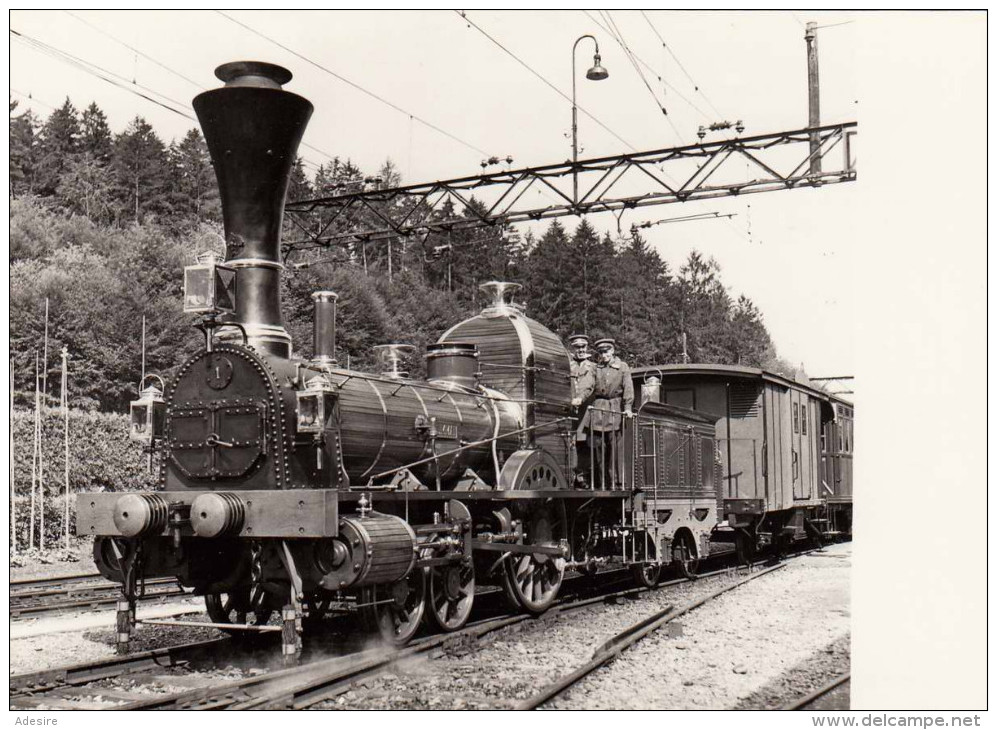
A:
148	413
209	286
315	405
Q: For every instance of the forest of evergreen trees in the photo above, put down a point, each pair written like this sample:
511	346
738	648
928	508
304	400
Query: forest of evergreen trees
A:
102	224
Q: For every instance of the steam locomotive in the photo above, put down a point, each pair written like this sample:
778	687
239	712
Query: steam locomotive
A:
300	487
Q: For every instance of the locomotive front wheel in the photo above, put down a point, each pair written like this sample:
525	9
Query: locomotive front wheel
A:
450	595
235	608
684	556
532	581
394	611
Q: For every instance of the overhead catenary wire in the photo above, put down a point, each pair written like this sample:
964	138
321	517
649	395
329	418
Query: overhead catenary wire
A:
648	66
172	71
355	85
618	36
31	98
119	81
97	71
681	65
144	55
463	15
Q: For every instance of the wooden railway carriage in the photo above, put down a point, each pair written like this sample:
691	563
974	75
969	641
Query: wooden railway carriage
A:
298	486
779	480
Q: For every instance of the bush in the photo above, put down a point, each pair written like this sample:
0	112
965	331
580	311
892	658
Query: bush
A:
101	458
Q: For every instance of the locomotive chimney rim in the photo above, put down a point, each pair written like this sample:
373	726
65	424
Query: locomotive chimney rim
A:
253	73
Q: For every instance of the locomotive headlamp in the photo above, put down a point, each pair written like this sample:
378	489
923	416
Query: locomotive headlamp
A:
209	286
148	413
315	405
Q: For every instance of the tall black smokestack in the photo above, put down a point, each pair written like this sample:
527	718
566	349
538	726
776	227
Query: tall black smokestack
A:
253	128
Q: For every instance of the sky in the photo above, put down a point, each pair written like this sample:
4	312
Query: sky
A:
791	252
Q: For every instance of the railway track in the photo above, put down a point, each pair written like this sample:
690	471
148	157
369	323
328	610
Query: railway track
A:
831	696
160	679
623	640
33	598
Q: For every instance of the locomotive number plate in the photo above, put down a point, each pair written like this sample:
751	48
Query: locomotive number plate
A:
446	431
219	371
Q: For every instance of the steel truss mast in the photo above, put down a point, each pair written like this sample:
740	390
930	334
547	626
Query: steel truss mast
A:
736	166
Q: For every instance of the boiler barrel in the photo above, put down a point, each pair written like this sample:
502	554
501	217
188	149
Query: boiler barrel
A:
385	424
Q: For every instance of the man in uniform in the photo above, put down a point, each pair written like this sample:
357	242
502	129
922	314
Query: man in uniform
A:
582	387
614	398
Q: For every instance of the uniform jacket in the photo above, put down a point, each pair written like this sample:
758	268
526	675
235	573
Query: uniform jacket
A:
614	391
582	379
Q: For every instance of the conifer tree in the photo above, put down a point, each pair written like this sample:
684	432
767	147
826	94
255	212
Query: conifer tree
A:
58	144
140	168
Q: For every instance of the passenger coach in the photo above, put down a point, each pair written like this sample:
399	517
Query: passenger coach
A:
784	449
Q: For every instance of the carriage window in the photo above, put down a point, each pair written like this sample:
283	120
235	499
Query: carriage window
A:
796	418
804	419
841	437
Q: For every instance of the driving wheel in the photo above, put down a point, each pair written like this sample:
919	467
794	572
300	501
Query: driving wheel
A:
532	580
450	595
394	611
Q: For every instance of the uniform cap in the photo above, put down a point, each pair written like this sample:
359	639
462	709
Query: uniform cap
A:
575	338
605	342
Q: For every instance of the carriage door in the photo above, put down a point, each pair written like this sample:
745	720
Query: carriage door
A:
799	458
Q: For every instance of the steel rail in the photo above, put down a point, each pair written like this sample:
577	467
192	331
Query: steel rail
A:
802	702
53	580
30	683
627	638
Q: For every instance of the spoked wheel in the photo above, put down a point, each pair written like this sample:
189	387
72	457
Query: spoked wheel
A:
684	556
648	572
395	610
450	595
236	608
533	580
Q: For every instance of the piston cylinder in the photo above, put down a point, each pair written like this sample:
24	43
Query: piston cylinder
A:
371	550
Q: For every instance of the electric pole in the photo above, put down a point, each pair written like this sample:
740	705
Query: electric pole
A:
813	87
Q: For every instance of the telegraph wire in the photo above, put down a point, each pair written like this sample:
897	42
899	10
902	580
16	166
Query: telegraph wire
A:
355	85
134	50
463	15
120	81
96	71
173	71
29	97
680	65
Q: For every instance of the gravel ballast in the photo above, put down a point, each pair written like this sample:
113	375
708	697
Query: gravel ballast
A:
734	645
